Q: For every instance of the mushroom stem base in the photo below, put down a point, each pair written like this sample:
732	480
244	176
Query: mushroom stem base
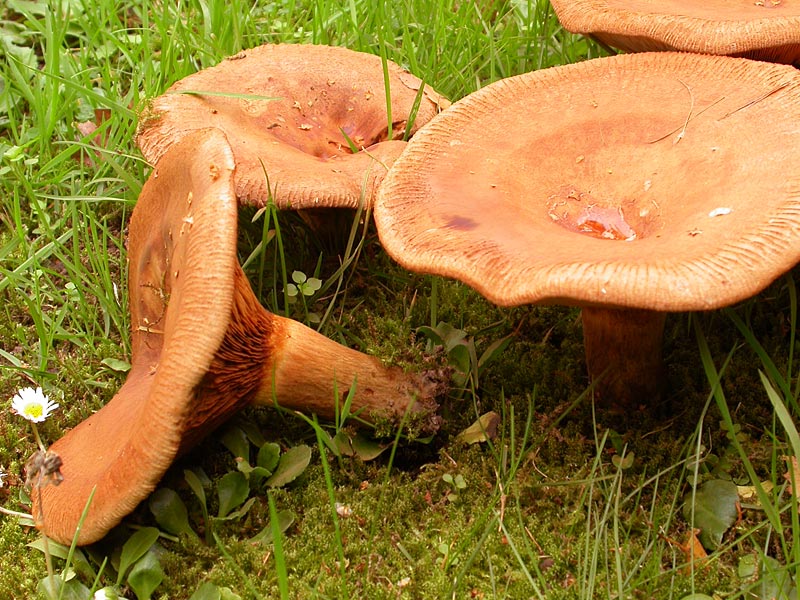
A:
623	354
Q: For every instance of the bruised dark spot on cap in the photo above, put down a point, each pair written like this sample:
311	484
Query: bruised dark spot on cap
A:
461	223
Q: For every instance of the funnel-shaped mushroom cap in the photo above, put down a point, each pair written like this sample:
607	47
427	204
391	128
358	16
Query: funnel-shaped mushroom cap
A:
657	181
291	113
760	29
181	288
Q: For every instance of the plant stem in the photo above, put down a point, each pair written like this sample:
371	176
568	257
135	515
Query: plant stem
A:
14	513
37	438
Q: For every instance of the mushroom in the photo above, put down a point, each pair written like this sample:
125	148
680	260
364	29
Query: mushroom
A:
630	186
308	124
202	348
766	30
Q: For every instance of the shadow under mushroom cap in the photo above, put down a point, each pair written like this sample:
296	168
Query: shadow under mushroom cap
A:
661	181
291	113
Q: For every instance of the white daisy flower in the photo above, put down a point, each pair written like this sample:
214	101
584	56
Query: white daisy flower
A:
2	476
32	404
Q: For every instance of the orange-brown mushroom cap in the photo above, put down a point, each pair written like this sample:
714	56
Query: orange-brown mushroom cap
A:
759	29
291	113
122	450
657	182
661	181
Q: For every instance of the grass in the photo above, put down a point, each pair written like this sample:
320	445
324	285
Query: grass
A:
565	503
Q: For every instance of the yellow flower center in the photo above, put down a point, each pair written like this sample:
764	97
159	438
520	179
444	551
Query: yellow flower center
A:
33	410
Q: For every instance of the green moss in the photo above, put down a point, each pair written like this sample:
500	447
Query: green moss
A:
18	578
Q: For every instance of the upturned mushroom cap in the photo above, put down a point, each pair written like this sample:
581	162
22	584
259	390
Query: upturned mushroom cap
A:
122	450
290	113
660	181
760	29
203	348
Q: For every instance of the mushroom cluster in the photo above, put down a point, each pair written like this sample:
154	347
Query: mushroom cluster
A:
203	347
636	185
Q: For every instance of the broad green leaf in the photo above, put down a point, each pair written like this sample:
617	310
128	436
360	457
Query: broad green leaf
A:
494	350
431	334
459	356
120	366
244	467
774	581
293	462
196	485
209	591
311	286
193	479
206	591
451	336
715	510
239	512
170	512
260	473
225	593
748	567
358	445
266	535
79	561
268	456
236	441
58	550
444	335
232	490
55	587
146	575
254	474
252	432
136	547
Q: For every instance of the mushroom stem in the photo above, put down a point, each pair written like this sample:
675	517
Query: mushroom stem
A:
321	385
623	353
268	359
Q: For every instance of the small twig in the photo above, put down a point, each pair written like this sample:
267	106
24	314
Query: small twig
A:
611	51
538	546
502	514
689	117
48	557
763	96
14	513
